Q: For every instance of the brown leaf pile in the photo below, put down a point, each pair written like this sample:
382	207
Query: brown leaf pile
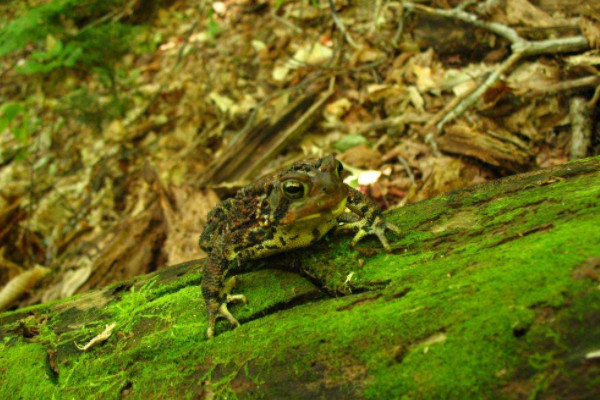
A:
96	203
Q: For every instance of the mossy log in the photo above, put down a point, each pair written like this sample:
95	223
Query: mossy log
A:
491	292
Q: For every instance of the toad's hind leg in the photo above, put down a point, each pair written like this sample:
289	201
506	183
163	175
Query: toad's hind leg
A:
216	294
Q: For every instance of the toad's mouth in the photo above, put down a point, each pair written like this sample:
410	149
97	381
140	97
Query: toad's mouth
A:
334	212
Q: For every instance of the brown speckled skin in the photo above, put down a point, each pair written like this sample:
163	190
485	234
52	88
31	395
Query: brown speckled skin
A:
262	220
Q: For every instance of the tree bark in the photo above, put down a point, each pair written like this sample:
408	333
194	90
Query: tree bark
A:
491	292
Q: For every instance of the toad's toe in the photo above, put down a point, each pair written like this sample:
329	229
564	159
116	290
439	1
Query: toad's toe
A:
234	298
224	312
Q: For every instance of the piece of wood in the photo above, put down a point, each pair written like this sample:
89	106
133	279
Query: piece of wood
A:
281	139
246	152
487	141
581	127
491	292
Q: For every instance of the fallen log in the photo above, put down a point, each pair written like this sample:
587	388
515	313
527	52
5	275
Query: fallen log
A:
491	292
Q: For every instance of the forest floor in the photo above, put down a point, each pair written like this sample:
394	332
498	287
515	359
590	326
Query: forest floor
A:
123	123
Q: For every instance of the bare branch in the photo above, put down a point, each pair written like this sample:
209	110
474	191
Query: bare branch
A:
456	13
573	84
520	47
340	25
285	22
473	97
551	46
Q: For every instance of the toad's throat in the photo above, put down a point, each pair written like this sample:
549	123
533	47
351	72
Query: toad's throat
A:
334	212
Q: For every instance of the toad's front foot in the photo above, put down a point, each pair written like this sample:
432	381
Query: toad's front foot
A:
219	309
377	226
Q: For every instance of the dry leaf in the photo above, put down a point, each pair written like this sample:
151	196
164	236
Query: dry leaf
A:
20	284
424	78
336	109
591	30
101	337
361	156
522	12
312	54
224	103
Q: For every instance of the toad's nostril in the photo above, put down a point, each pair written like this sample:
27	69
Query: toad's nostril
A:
324	189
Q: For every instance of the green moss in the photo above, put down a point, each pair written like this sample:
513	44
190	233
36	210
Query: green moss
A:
24	373
475	299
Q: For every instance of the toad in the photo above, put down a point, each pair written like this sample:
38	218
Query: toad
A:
292	209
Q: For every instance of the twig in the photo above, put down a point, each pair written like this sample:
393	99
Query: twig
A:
430	140
114	16
32	196
409	172
376	14
573	84
456	13
477	93
285	22
551	46
594	99
581	127
340	25
520	47
399	30
452	104
465	4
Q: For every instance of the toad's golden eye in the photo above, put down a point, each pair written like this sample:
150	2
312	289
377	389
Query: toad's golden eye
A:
339	168
293	189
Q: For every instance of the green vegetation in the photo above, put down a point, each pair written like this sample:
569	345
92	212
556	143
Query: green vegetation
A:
61	37
486	295
65	33
9	114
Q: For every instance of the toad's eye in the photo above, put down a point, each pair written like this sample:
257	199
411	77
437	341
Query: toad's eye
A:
339	168
293	189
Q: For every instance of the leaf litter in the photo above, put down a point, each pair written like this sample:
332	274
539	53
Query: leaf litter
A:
233	90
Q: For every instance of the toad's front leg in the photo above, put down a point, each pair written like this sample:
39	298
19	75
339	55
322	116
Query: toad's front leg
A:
371	222
216	294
